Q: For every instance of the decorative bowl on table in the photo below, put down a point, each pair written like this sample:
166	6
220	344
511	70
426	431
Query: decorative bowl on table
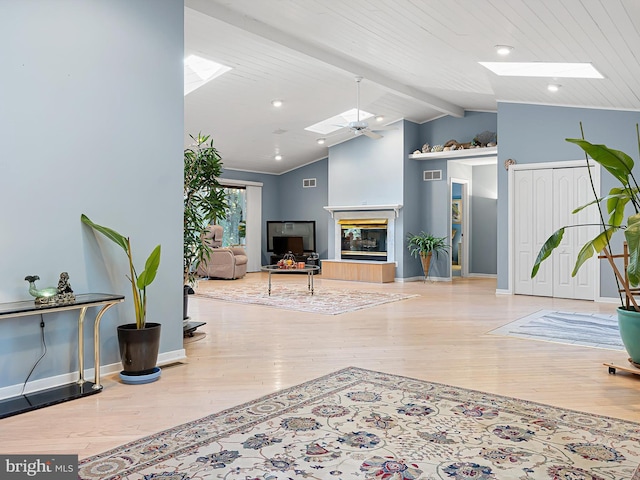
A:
288	261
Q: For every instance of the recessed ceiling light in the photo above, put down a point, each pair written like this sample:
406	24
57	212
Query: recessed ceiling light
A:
278	157
503	50
553	87
321	141
379	118
198	71
276	103
543	69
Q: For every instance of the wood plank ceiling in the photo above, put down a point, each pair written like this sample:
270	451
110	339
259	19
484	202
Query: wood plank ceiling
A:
419	60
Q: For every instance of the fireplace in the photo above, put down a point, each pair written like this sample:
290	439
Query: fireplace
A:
377	243
363	239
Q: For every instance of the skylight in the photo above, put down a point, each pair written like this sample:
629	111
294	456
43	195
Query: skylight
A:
336	123
543	69
198	71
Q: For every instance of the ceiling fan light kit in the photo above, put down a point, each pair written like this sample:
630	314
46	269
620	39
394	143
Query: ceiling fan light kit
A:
360	127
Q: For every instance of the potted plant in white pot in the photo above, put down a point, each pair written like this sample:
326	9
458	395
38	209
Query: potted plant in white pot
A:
204	202
425	246
620	165
139	342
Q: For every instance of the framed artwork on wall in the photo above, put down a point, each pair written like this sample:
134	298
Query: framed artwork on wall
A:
456	210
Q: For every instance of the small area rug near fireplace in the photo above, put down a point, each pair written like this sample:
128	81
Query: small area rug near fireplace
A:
357	423
297	297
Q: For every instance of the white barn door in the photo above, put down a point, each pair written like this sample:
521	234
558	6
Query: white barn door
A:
543	202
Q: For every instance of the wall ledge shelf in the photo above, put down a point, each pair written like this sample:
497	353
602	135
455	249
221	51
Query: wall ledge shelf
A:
468	152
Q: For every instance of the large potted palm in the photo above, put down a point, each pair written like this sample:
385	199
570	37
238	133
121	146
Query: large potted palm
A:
139	342
627	194
204	203
425	246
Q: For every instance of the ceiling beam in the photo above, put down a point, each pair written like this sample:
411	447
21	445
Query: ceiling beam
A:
327	56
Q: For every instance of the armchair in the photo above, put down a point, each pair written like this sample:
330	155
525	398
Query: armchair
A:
223	262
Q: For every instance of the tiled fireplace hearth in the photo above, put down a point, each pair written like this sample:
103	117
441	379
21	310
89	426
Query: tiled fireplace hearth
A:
364	245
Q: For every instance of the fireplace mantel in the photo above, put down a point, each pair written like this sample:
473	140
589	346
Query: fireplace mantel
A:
356	208
389	212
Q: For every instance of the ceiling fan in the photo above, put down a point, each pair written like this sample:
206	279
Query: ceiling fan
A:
360	127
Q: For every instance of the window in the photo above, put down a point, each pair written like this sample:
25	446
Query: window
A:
235	226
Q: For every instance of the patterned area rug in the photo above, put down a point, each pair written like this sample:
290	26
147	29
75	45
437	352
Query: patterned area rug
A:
297	297
359	424
586	329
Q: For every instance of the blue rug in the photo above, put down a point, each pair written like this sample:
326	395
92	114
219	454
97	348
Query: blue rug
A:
585	329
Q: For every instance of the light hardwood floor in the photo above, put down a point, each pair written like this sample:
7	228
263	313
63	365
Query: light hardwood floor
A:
246	351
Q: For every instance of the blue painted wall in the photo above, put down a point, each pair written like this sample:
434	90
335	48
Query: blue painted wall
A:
463	129
298	203
536	134
91	122
412	210
484	220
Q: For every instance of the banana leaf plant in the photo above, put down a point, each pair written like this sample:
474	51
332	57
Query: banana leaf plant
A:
139	283
620	165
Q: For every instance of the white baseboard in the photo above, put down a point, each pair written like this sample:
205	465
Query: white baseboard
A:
483	275
607	300
166	358
408	279
503	291
421	279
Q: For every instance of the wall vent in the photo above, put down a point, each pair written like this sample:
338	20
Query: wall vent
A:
430	175
308	183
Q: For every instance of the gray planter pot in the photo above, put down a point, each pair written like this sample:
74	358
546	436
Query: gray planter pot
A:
139	348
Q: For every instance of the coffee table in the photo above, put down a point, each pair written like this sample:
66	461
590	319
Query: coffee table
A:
308	269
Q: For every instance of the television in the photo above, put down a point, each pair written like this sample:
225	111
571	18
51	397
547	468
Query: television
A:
297	237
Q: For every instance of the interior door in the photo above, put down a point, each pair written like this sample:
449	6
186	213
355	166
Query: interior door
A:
533	223
543	202
572	189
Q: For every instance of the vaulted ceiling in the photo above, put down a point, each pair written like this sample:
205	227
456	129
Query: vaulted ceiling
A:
418	59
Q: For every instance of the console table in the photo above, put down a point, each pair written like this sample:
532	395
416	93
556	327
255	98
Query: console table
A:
81	387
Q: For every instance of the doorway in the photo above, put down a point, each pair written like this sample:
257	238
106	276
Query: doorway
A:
459	223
